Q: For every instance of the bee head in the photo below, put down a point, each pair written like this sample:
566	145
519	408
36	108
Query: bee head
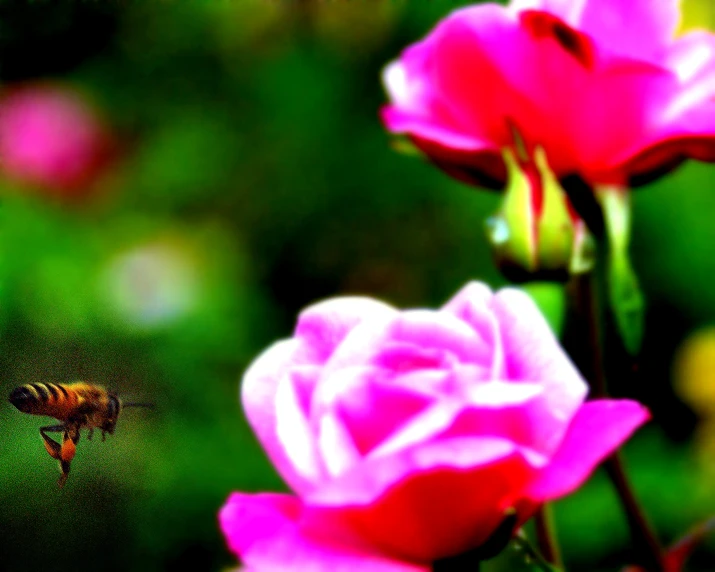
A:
113	408
22	398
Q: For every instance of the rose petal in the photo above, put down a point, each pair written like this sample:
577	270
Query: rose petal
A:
295	440
442	331
597	430
298	465
354	395
475	38
442	508
407	85
376	475
533	353
483	166
518	83
684	127
426	426
399	121
324	325
468	304
265	531
613	125
573	90
471	304
337	446
520	412
692	56
517	412
636	28
426	328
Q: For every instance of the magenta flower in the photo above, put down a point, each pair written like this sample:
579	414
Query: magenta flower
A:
408	435
602	85
51	138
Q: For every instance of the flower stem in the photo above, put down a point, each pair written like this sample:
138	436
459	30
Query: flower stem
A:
589	358
546	535
643	537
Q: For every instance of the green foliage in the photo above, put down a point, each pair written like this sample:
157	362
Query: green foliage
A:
624	294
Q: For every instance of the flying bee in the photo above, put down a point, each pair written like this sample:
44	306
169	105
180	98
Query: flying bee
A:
78	406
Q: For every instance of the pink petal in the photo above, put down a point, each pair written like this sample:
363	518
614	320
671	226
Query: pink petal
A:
618	109
439	105
471	304
520	412
523	78
446	504
689	134
597	430
442	331
428	425
294	453
268	388
377	474
692	56
324	325
266	532
400	121
515	412
354	395
421	328
533	353
673	147
406	81
482	166
682	125
480	101
589	105
338	449
636	28
515	82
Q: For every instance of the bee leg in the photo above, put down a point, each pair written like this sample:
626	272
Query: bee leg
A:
69	443
67	452
52	446
63	453
91	432
65	468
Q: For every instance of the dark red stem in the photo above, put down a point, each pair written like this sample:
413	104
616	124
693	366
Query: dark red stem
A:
590	359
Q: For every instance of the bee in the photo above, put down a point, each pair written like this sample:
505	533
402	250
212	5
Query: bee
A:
78	406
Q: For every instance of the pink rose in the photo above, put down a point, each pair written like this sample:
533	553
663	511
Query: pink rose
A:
51	138
603	86
407	435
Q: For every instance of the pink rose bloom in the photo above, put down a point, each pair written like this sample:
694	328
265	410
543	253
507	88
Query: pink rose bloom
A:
51	138
603	86
407	435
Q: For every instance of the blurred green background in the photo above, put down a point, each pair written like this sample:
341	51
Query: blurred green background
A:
252	178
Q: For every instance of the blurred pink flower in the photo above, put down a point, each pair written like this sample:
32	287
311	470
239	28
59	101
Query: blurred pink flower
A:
51	138
603	86
407	435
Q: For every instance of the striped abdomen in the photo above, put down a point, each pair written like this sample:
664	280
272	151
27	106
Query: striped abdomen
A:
51	399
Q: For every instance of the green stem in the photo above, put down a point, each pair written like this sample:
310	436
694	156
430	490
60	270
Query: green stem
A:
645	542
546	535
643	537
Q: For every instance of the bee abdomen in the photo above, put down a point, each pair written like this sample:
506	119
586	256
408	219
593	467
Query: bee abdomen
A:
40	398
